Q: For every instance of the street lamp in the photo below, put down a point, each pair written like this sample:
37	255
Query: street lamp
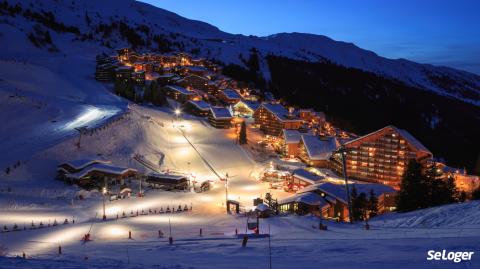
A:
104	191
343	152
226	191
177	112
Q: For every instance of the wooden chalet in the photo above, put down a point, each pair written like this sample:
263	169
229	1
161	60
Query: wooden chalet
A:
229	96
167	181
381	156
273	118
220	117
245	108
317	151
197	108
179	94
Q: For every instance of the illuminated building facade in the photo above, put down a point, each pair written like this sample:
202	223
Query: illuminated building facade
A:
381	156
273	118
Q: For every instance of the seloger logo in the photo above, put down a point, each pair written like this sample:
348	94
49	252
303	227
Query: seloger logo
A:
455	256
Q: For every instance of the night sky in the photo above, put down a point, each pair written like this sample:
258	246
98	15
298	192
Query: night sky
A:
441	32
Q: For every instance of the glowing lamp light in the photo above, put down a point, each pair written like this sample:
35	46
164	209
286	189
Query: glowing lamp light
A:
177	111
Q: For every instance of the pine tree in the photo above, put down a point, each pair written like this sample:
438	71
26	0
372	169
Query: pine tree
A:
243	134
361	205
372	205
147	92
119	87
440	190
129	91
356	201
413	188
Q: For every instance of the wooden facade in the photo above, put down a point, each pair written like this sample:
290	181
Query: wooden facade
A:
381	156
273	118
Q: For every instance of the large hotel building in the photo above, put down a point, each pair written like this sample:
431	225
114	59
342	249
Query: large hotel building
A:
381	156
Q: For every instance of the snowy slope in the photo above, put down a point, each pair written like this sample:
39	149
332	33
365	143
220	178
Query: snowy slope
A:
210	42
454	215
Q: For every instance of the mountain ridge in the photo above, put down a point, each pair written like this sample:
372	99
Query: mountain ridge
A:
211	42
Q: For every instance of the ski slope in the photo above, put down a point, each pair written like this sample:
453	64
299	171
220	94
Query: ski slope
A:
392	241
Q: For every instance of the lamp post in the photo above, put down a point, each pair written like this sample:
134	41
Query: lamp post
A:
104	191
177	113
343	152
226	191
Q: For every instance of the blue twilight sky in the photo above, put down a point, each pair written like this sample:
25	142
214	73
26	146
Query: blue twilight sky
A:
441	32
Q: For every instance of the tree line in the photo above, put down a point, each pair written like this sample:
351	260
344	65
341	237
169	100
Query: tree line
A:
151	92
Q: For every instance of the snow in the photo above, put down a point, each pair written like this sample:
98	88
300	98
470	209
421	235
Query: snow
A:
180	89
220	112
308	198
200	104
338	189
82	163
291	136
100	167
319	148
50	94
231	94
306	176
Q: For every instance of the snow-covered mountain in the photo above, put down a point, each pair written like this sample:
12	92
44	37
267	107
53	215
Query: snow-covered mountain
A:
87	26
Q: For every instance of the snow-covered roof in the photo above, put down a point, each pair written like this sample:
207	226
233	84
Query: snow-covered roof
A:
124	68
306	176
196	76
179	89
309	198
168	75
250	104
220	113
404	133
262	207
100	167
319	148
291	136
195	68
231	94
166	178
279	111
200	104
82	163
338	190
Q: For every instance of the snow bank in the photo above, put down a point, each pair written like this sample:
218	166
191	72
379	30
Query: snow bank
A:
454	215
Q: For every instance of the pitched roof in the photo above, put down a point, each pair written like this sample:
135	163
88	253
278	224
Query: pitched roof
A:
202	105
319	148
291	136
338	190
179	89
195	68
231	94
82	163
280	112
220	113
196	76
306	176
309	198
100	167
404	133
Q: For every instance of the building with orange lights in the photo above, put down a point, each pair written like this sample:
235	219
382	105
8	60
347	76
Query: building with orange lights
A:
179	94
220	117
273	118
463	181
316	151
381	156
229	96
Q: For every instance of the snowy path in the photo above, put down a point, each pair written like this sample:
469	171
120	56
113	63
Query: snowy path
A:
150	132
